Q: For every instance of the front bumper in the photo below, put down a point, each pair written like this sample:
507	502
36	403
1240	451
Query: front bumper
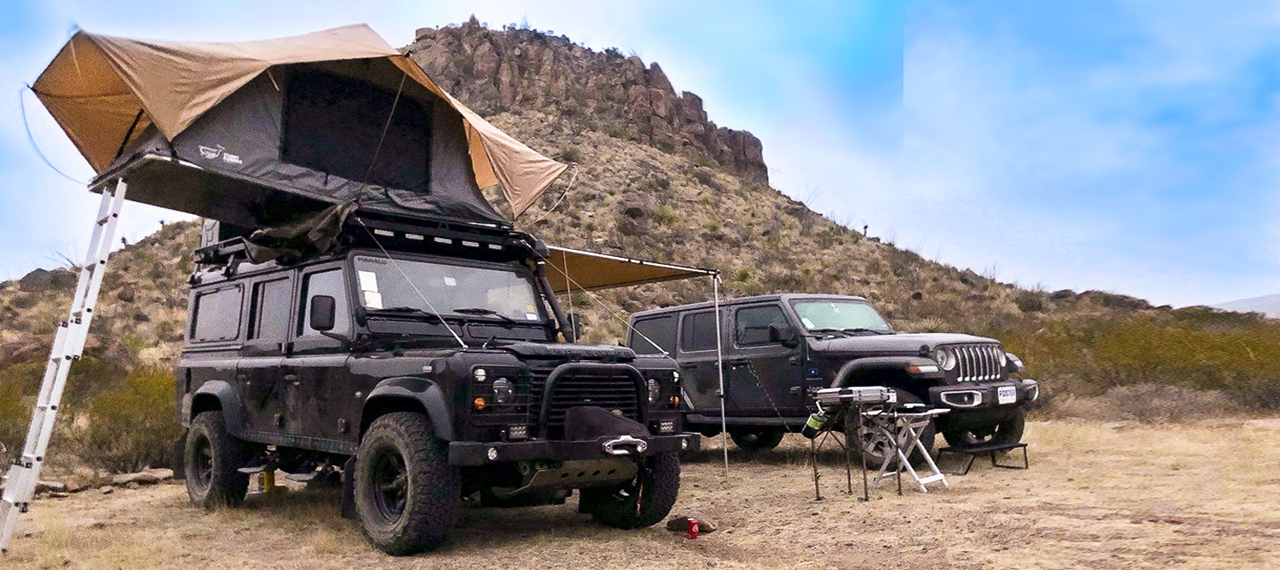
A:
983	395
475	453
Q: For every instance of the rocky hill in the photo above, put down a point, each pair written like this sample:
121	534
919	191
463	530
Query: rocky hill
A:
657	179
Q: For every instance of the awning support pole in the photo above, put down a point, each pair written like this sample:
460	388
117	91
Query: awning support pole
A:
724	430
68	344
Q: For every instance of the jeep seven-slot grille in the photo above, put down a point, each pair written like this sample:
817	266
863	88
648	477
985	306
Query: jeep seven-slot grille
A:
979	362
615	392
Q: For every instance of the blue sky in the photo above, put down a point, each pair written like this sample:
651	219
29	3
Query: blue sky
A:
1122	146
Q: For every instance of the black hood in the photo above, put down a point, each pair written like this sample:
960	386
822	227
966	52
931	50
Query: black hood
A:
904	343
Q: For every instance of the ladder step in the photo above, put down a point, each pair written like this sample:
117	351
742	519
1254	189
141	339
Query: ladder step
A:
932	478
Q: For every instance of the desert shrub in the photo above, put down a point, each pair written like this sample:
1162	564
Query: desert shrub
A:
131	426
15	414
1145	403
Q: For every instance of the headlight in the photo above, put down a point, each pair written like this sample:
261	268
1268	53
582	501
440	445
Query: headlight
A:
946	359
653	391
1014	363
502	392
479	375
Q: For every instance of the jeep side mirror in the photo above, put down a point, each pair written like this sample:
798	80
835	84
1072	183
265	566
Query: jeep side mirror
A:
322	312
783	334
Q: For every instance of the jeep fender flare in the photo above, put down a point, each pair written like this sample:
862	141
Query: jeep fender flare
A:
229	401
425	392
885	362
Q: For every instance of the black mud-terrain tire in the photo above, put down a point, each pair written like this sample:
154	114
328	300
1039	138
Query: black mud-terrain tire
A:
641	503
875	446
756	439
406	494
211	461
1004	433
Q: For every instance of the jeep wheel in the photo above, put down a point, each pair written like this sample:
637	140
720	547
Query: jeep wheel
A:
211	459
756	439
641	503
876	445
406	494
1003	433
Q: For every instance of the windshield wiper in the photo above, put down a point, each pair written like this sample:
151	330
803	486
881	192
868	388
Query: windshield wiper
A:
862	330
407	311
821	332
485	312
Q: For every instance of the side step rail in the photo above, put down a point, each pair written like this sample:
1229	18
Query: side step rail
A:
68	345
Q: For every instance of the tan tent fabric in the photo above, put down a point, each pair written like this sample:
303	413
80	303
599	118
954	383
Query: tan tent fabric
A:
97	85
594	271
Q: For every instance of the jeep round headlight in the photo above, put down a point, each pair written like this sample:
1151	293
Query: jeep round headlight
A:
654	392
502	391
946	359
479	375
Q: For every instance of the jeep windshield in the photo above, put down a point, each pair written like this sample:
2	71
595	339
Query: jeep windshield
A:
412	287
840	317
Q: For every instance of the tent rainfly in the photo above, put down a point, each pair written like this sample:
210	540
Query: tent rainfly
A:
254	133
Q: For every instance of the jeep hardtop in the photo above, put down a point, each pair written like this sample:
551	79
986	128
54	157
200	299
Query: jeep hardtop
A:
423	365
779	349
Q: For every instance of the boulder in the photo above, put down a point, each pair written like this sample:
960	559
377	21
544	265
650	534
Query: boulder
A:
145	477
44	280
50	487
638	206
680	523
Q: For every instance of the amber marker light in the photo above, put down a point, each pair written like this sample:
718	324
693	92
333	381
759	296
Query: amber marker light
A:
480	404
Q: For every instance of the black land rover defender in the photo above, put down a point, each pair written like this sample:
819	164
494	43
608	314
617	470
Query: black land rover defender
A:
779	349
422	363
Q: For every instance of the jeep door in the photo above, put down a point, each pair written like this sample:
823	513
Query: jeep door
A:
319	393
698	359
766	378
259	378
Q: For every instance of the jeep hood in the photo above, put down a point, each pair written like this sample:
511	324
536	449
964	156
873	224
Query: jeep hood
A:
903	343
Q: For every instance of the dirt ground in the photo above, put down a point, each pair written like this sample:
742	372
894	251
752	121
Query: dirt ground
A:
1205	495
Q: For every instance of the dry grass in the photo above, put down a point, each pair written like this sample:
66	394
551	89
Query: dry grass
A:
1200	495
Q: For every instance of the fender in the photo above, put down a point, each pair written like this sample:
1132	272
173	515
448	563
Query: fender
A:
424	392
232	411
894	362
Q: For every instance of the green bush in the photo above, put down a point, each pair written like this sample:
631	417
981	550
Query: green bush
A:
14	417
130	427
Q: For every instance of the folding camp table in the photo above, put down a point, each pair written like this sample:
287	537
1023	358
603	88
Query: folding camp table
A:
902	428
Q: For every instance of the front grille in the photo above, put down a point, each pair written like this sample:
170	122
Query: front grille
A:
979	362
613	392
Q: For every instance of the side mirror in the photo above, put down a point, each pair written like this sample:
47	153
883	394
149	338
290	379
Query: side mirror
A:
323	313
783	334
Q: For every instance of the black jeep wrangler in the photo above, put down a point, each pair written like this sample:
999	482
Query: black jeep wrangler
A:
421	365
779	349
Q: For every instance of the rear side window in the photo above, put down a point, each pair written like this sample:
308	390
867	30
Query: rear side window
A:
698	332
752	327
661	331
271	310
217	315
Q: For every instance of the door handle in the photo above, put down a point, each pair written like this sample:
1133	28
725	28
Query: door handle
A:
291	377
736	362
689	365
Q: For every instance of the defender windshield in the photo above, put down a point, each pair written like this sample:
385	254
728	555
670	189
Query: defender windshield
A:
845	316
503	293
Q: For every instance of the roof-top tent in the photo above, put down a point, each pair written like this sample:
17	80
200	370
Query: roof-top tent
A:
254	134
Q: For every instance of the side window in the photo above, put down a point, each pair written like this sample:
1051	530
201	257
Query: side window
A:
698	332
660	330
270	313
217	315
752	327
328	283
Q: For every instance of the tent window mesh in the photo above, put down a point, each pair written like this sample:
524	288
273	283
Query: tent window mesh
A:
333	124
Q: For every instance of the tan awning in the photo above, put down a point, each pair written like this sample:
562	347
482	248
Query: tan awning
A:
592	271
103	90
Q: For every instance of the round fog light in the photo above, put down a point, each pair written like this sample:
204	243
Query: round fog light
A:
493	454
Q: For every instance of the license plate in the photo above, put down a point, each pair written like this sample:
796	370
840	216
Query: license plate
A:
1006	394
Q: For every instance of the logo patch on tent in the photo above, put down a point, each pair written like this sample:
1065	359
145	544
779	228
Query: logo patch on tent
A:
213	153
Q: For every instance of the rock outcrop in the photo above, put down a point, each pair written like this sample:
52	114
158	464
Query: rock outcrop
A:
515	70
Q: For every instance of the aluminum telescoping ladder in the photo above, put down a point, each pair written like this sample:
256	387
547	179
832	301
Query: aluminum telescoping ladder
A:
68	344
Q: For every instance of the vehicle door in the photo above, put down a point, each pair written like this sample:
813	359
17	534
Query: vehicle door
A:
319	392
698	359
260	376
214	334
765	377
